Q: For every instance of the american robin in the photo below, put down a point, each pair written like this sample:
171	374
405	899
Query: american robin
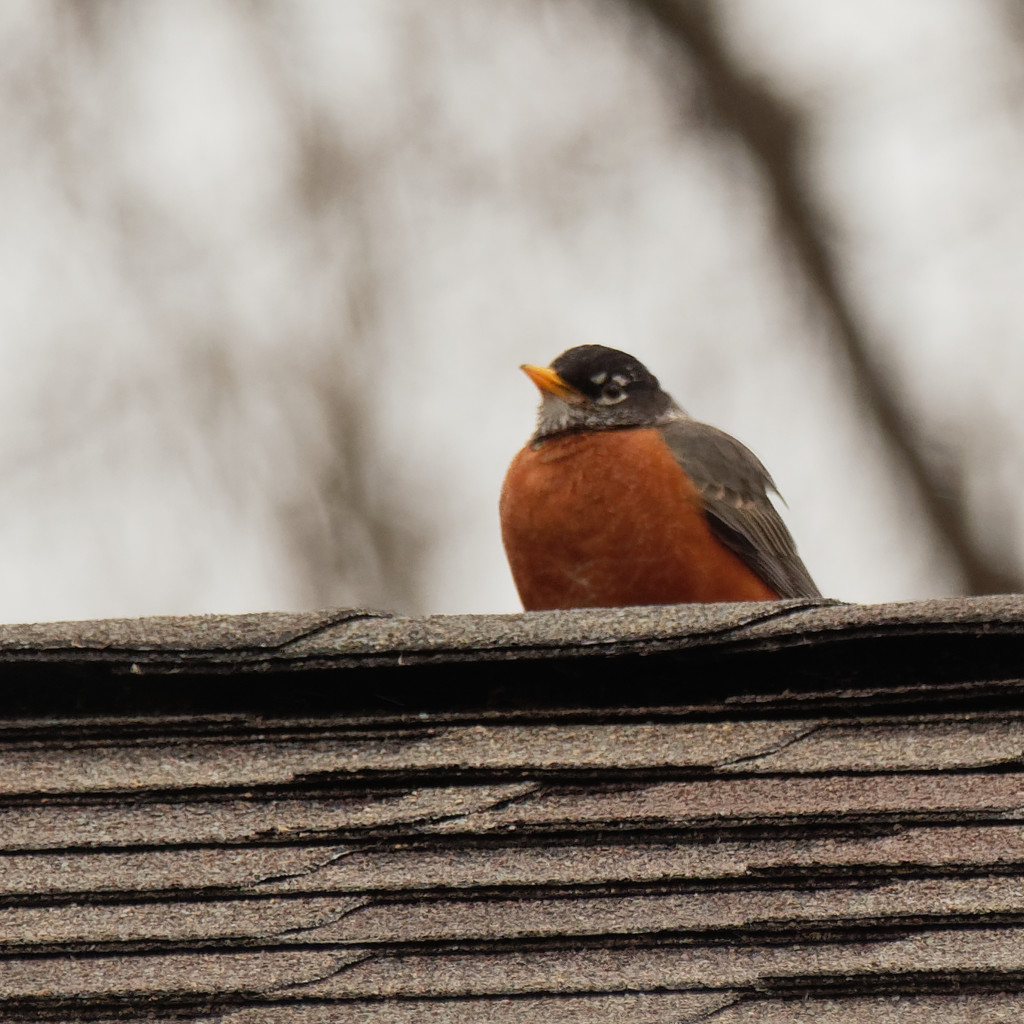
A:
620	498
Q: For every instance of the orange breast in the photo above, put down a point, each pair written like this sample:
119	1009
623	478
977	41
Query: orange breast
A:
609	518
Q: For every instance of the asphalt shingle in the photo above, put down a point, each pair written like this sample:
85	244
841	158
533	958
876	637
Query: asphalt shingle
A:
747	813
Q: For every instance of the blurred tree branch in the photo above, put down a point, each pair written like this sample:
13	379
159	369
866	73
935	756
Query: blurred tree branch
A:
348	529
348	533
320	474
771	130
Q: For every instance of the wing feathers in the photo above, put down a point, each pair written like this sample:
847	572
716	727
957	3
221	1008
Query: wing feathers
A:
735	486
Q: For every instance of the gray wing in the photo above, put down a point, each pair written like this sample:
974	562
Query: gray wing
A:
735	486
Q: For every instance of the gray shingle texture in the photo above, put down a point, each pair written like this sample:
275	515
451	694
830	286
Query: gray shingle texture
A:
793	812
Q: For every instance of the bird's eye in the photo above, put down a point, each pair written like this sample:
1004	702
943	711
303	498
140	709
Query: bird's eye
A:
611	394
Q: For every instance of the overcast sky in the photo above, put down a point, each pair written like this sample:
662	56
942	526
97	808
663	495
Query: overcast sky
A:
243	242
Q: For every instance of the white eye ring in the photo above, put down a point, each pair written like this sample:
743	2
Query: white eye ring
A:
612	395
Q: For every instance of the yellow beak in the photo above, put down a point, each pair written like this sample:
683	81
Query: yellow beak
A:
547	380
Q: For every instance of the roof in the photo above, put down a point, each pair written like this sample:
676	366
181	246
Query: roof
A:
790	811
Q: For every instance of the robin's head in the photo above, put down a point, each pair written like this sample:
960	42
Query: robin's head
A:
591	387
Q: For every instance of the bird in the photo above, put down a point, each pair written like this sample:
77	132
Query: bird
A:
620	498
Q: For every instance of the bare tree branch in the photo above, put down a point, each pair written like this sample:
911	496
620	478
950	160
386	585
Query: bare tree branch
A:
346	531
770	128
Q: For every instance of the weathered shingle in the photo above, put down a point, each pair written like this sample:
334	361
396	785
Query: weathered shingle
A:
749	813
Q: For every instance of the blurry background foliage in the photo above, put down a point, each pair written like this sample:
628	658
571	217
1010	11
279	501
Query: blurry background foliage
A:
268	269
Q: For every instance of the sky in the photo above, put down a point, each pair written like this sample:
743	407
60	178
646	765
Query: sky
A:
269	271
